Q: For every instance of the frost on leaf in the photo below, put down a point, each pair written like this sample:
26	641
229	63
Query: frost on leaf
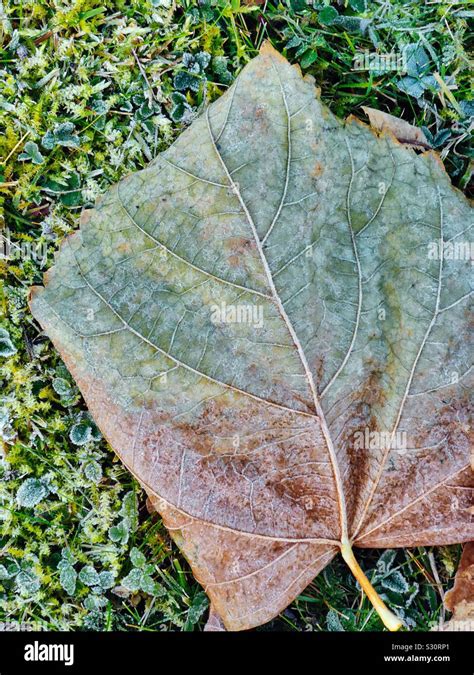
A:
32	492
269	324
7	348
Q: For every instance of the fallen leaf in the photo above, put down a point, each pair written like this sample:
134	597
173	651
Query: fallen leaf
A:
269	325
460	599
403	131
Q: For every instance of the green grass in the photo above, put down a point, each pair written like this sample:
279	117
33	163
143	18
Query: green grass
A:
90	91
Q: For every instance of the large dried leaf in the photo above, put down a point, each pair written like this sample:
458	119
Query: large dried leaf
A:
318	239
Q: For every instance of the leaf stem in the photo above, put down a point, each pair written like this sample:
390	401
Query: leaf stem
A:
390	620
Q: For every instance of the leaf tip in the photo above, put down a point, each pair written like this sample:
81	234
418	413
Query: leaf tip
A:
267	49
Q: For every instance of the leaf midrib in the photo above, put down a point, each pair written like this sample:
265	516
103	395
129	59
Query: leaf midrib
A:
309	376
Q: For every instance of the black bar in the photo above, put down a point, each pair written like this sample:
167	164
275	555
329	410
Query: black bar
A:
134	653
